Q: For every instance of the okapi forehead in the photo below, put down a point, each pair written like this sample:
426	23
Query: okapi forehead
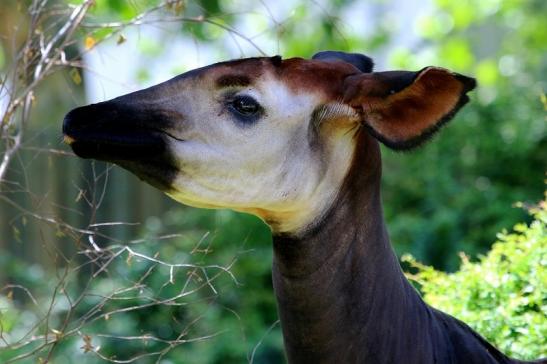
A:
298	74
239	72
302	75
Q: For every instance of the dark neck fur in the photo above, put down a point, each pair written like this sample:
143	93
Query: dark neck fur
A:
342	296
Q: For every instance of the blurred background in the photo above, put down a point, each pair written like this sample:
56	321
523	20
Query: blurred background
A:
93	261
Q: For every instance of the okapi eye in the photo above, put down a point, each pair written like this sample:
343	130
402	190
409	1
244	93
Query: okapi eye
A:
245	106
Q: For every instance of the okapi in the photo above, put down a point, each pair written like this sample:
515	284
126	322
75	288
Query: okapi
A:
295	142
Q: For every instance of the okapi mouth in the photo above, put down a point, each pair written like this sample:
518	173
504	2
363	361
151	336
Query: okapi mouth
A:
102	132
115	145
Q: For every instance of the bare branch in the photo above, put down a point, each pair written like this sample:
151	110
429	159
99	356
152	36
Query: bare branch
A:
75	303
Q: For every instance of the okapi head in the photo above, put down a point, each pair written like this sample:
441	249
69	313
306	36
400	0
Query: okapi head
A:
271	137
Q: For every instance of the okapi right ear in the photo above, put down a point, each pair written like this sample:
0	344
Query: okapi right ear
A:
360	61
403	109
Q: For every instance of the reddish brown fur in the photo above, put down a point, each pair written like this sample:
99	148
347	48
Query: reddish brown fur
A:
406	114
302	75
395	115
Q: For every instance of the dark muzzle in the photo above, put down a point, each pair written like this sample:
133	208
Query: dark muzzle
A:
112	132
127	134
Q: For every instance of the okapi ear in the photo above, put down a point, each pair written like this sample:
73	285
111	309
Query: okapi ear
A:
360	61
403	109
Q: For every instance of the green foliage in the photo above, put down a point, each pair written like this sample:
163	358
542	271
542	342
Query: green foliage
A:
503	294
455	193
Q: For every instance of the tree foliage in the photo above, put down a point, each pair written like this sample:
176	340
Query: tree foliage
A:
456	192
502	295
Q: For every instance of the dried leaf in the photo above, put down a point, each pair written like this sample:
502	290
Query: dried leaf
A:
87	347
176	6
80	195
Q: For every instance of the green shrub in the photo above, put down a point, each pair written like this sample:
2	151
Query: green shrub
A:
503	295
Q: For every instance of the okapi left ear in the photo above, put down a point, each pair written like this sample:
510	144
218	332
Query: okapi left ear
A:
403	109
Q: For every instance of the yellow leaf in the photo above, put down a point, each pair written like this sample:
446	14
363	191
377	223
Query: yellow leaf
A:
59	233
89	42
75	75
16	234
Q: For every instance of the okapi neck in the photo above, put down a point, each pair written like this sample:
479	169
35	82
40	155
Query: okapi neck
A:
353	224
341	294
342	282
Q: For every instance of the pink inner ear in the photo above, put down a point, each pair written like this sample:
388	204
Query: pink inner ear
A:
398	117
